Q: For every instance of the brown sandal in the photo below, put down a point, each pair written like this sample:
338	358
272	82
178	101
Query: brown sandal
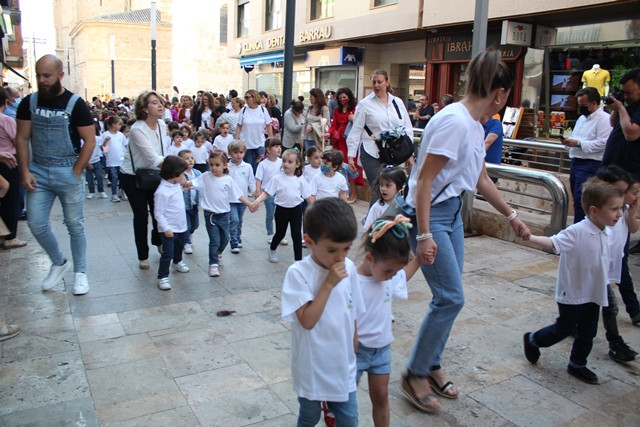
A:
427	403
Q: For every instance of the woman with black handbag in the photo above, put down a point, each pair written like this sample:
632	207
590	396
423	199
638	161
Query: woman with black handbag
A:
139	173
377	112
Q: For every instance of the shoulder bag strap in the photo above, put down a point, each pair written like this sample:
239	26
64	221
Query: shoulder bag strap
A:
439	193
397	109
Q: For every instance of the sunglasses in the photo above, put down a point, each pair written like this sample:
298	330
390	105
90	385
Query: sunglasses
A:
248	97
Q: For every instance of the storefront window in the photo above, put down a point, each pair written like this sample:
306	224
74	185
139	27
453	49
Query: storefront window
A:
223	24
335	78
273	15
243	18
321	9
377	3
271	81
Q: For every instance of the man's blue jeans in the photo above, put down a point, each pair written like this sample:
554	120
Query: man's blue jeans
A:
235	223
58	181
346	413
581	171
444	278
218	230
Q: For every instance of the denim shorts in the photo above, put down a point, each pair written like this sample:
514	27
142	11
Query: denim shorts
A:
375	361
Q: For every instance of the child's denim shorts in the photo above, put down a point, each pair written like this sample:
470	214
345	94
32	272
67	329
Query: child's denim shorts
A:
373	360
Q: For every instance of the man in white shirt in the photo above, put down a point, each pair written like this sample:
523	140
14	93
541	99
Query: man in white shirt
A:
586	145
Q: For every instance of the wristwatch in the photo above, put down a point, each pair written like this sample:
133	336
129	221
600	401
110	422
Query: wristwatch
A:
578	144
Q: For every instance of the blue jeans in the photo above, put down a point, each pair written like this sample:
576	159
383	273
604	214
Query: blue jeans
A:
58	181
309	143
270	209
581	171
95	174
585	316
444	278
113	177
171	249
346	413
371	167
193	222
218	231
252	155
375	361
235	223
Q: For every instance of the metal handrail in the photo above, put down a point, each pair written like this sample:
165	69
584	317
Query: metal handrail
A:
559	195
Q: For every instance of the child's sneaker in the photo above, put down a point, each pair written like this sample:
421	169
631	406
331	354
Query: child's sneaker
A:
621	352
188	249
583	373
284	242
91	195
164	284
240	244
269	238
115	198
219	257
235	250
181	267
103	195
122	195
273	256
213	270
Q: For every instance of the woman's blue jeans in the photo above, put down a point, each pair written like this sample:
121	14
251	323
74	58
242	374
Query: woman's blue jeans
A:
444	278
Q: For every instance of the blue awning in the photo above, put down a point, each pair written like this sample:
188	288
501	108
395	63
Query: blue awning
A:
265	58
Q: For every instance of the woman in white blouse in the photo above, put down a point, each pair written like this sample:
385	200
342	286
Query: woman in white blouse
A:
378	112
145	151
253	123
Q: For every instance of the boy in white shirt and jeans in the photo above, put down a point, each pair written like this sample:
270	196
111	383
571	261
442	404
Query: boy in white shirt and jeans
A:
322	300
583	276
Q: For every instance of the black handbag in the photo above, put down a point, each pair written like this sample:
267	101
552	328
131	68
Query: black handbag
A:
393	150
147	179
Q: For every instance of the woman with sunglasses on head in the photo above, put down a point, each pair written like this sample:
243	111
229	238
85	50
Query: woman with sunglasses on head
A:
253	123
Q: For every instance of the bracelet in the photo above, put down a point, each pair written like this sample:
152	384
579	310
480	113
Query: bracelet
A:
513	215
425	236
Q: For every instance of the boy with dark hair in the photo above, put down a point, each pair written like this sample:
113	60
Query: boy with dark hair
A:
322	300
583	276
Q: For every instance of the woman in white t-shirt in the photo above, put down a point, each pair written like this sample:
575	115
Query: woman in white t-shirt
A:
450	161
254	121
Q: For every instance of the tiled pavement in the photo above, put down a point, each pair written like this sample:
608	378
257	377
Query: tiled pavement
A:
128	354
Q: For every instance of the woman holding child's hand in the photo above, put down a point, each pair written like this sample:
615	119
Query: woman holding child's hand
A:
450	161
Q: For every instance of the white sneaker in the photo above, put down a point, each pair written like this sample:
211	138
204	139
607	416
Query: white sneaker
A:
181	267
103	195
123	195
164	284
219	257
273	256
55	275
269	239
235	250
284	242
81	285
213	270
115	198
91	195
240	244
188	249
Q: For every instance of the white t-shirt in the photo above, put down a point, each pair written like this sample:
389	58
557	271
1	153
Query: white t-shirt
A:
243	177
454	134
374	326
585	259
116	144
309	172
267	170
201	154
290	191
217	192
322	186
323	363
253	121
188	143
619	235
168	208
375	212
222	142
174	149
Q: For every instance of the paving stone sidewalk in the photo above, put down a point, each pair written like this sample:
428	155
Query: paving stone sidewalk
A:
128	354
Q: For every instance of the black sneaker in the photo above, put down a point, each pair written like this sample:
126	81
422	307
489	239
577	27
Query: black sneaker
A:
621	352
531	352
636	319
583	373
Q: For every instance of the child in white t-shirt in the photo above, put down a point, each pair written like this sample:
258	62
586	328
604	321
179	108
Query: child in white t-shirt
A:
329	183
201	150
389	182
176	143
322	300
242	174
314	160
223	140
113	144
290	190
268	168
583	276
383	274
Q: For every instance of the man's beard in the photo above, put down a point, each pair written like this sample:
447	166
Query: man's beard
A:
47	94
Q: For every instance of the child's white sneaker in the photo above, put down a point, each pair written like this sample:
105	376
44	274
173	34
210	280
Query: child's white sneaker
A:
273	256
235	250
213	270
188	249
164	284
115	198
91	195
103	195
122	195
284	242
181	267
